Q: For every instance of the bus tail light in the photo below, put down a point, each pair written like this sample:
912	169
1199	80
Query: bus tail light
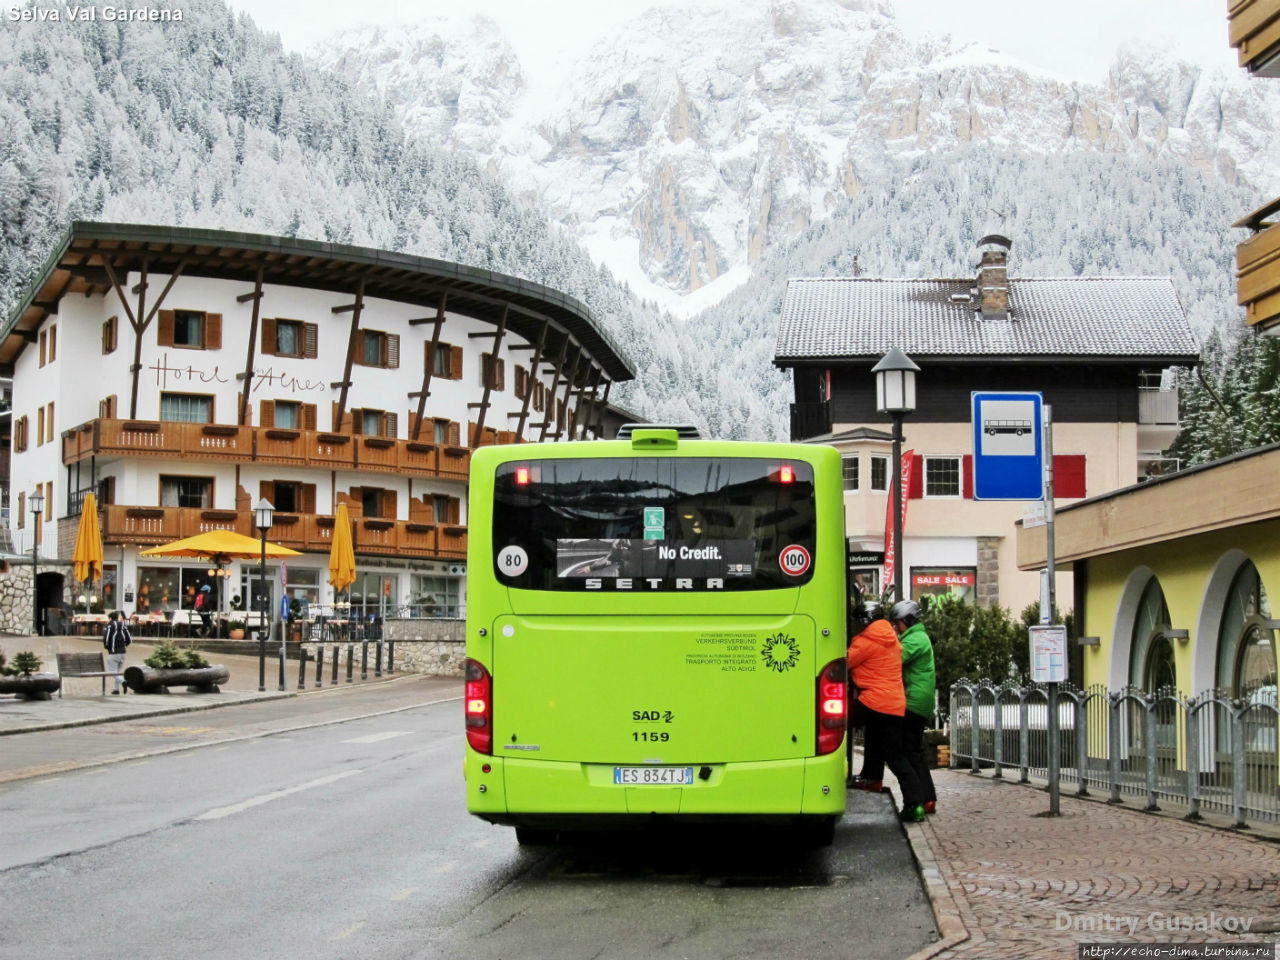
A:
832	706
478	704
786	473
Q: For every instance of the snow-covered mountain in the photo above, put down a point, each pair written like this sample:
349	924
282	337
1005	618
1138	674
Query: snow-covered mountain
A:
687	143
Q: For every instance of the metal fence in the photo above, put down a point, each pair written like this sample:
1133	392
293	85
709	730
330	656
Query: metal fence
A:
1212	752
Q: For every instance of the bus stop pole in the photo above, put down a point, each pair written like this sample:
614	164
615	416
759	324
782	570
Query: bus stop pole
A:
1047	608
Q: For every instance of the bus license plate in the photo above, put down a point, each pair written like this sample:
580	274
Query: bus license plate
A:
667	776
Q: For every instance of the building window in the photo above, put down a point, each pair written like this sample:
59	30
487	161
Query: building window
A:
522	382
44	342
850	466
186	492
107	408
288	415
40	427
190	329
879	473
53	344
375	423
942	476
1152	617
289	338
186	408
440	431
1246	652
20	428
109	334
378	349
48	423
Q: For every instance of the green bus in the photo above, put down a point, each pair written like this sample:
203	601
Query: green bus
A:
655	629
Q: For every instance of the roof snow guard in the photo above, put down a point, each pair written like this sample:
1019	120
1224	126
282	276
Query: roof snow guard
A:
78	264
1076	319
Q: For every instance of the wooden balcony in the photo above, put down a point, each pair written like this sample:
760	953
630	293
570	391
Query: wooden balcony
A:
308	532
1254	31
1258	267
293	448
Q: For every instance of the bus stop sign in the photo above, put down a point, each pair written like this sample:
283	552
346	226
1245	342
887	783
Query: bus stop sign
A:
1008	446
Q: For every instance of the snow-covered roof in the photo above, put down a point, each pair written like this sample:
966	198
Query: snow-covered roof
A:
1065	317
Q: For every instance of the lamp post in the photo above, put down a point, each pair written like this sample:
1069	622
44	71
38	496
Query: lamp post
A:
263	514
896	396
36	500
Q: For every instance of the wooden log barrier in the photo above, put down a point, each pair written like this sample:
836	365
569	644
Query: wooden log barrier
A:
195	679
34	686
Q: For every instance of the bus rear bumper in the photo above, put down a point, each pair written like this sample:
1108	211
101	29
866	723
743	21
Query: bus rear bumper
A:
518	790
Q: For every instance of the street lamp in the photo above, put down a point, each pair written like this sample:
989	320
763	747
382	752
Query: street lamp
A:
36	501
896	396
263	515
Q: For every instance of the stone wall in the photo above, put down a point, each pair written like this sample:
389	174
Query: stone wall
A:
15	599
435	648
987	593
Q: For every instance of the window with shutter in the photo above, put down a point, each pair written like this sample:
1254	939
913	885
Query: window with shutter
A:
455	363
213	331
20	434
188	329
308	416
308	504
40	427
440	509
391	351
44	342
267	416
269	335
455	434
107	408
49	424
164	328
53	344
109	335
310	340
390	425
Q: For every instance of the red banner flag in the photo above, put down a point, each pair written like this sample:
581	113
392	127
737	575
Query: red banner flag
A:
890	560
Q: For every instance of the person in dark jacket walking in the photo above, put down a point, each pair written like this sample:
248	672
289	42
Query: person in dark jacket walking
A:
116	639
875	670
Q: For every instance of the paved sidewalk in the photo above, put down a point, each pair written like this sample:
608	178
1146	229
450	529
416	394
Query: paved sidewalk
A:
82	701
1008	881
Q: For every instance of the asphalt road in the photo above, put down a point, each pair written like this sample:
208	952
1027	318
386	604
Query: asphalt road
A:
351	840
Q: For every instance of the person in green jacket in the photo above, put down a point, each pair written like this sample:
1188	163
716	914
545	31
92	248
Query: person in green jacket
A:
918	680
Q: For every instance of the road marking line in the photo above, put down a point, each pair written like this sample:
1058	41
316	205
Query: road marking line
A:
375	737
349	931
406	893
219	812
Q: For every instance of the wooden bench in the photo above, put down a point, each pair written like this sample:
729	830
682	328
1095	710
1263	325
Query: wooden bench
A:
84	665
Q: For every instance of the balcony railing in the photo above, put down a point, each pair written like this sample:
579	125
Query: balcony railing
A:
1157	406
308	532
294	448
810	419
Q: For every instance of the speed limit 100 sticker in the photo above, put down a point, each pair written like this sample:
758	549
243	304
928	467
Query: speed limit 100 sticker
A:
794	560
512	561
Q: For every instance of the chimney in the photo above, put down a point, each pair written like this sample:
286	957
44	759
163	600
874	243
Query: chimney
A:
993	277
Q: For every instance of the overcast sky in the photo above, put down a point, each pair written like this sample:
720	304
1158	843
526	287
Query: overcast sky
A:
1076	39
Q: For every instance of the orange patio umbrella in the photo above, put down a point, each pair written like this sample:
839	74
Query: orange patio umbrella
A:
88	552
342	556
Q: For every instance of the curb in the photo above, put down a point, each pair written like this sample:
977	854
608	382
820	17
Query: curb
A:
937	886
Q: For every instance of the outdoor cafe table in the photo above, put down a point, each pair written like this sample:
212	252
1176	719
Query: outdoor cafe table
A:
88	623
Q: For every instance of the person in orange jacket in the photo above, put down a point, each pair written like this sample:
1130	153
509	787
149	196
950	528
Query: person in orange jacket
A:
875	671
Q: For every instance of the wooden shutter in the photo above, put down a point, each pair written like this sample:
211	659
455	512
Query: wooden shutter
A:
40	426
390	425
49	423
268	415
269	335
164	328
428	356
307	499
1068	475
455	434
213	331
391	351
357	420
44	340
308	418
109	335
455	363
310	340
966	476
267	490
486	369
455	510
387	504
916	489
22	509
53	344
107	408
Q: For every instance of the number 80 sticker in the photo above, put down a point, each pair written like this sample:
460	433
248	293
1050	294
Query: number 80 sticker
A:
512	561
794	560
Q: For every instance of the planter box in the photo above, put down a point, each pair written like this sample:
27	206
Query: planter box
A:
35	686
196	680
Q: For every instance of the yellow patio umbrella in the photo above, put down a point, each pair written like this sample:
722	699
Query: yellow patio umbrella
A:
219	544
342	556
88	552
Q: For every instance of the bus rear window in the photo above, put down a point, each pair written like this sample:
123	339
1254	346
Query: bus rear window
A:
654	523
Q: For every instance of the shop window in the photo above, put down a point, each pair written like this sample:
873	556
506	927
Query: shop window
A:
435	597
958	582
